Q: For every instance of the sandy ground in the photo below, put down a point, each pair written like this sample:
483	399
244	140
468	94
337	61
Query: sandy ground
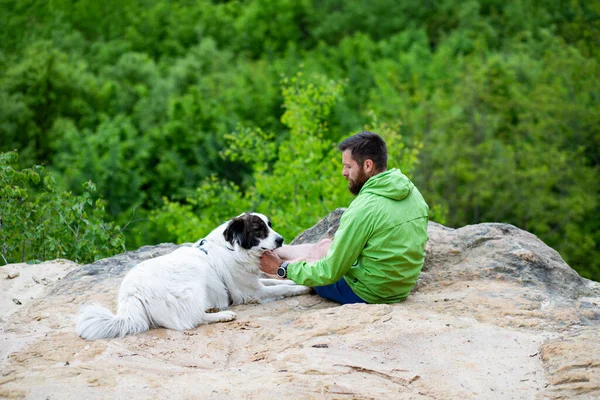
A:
476	340
22	283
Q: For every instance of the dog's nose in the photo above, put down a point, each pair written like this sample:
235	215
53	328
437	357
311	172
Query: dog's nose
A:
279	241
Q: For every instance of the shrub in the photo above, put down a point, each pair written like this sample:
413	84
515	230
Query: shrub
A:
39	223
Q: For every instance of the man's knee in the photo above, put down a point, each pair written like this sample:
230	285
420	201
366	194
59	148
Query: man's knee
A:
324	244
321	248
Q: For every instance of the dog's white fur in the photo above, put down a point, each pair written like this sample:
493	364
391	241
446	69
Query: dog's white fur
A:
175	290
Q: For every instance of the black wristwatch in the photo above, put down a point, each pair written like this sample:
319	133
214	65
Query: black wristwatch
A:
282	270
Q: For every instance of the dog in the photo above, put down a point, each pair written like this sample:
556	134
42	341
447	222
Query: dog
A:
175	290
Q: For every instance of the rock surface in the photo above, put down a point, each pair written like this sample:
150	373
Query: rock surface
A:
496	314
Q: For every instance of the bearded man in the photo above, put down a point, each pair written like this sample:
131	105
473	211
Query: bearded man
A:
378	251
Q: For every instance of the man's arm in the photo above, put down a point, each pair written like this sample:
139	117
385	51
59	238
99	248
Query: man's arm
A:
349	241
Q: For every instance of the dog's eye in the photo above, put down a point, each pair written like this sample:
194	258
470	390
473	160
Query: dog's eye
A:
269	223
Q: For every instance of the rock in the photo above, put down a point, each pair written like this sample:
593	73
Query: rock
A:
26	286
326	228
496	314
86	278
572	364
13	275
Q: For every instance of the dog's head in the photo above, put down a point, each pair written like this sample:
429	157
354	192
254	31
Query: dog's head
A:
252	231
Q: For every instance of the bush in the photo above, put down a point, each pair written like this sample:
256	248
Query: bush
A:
46	224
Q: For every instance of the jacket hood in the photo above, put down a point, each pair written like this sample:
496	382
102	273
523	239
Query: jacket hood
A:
392	184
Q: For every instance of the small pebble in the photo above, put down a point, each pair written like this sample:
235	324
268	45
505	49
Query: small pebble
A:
13	275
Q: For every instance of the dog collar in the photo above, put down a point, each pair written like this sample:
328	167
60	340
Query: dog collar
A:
200	244
203	241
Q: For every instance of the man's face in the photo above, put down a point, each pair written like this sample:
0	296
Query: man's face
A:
354	173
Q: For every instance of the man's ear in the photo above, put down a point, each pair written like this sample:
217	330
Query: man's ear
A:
369	166
234	231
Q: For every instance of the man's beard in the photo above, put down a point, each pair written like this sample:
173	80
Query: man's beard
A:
355	185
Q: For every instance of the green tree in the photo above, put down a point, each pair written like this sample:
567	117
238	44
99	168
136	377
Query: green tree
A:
296	180
499	100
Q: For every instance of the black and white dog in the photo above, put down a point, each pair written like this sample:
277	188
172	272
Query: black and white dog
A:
175	290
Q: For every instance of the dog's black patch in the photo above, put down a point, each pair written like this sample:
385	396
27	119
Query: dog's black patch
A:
247	231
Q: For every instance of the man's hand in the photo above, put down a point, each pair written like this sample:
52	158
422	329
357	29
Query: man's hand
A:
269	262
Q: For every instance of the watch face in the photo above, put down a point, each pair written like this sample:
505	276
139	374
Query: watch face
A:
281	272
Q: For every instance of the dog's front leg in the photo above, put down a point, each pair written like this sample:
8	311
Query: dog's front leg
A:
274	282
277	292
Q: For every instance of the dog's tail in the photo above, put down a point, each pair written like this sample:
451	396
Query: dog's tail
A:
97	322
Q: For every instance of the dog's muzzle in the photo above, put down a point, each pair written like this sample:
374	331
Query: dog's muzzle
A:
279	241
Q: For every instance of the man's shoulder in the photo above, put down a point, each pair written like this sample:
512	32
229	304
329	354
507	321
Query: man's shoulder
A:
382	211
361	204
364	208
365	202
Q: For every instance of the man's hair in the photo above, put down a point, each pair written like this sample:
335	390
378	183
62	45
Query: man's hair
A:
366	146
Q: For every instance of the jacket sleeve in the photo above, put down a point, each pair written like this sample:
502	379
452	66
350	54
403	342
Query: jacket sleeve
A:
348	243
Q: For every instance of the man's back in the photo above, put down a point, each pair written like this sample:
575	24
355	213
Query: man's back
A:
394	216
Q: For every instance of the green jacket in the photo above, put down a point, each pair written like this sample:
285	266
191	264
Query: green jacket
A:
379	247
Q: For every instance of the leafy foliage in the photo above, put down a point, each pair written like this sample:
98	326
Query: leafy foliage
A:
50	224
290	178
175	108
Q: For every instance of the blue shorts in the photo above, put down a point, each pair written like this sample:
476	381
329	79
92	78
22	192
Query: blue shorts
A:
339	292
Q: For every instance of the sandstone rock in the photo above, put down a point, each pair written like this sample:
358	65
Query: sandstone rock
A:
572	364
496	314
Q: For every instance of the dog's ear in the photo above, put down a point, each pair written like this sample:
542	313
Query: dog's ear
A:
235	231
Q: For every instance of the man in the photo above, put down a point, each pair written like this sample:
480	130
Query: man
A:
378	250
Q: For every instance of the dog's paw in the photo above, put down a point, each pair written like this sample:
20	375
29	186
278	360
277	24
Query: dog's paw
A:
303	289
227	316
221	316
